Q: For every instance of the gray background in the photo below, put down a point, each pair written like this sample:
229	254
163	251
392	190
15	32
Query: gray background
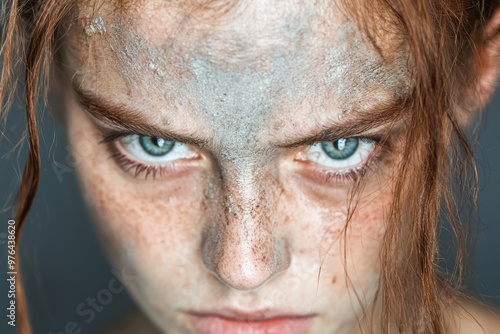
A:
63	263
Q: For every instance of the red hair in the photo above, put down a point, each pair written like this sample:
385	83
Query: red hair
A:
444	38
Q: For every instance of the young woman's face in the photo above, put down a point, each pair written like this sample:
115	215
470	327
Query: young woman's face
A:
219	149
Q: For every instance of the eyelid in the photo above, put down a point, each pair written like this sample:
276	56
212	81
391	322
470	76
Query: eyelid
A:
335	133
112	136
372	137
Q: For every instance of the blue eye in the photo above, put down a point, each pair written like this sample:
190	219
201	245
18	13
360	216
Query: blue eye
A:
341	154
340	149
154	150
156	146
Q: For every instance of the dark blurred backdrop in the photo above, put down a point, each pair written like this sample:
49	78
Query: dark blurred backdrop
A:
63	264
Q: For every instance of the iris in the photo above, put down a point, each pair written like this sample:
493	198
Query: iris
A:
340	149
156	146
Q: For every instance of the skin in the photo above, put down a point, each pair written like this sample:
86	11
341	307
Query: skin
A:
248	221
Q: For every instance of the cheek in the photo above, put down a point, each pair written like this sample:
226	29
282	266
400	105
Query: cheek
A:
139	221
324	234
322	212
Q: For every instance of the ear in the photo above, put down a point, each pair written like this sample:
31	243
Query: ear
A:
487	66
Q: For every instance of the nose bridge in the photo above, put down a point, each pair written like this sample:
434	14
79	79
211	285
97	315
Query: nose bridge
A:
243	192
244	250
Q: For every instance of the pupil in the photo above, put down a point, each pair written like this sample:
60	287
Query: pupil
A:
340	149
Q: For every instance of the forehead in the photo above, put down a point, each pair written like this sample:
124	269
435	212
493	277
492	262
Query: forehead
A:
237	65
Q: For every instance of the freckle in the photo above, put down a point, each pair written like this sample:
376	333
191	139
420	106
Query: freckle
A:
254	250
334	279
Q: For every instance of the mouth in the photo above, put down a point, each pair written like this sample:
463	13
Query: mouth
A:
261	322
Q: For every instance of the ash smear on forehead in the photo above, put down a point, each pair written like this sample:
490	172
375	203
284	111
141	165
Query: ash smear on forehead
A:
356	69
233	97
237	96
95	26
235	103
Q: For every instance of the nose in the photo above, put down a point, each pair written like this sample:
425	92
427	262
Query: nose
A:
242	246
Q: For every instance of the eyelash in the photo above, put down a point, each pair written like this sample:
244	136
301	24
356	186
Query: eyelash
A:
353	175
138	168
131	166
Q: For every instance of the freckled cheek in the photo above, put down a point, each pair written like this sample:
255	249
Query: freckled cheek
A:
318	221
323	226
148	218
366	232
143	215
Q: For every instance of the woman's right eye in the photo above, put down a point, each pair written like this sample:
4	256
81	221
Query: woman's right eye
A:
155	151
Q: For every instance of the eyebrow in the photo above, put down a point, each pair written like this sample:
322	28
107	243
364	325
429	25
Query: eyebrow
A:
129	121
120	117
358	122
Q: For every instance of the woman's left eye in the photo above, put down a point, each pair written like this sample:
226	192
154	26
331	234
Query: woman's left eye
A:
155	150
342	154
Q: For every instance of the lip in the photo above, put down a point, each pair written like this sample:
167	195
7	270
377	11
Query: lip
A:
261	322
